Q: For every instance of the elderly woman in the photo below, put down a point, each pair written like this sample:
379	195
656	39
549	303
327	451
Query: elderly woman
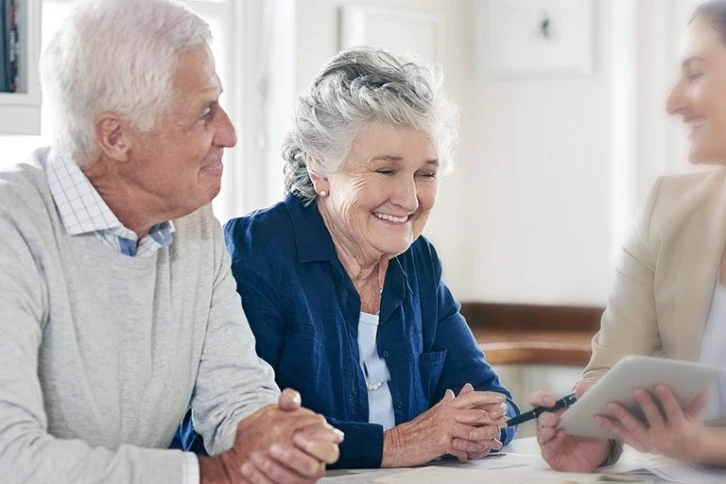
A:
669	295
342	292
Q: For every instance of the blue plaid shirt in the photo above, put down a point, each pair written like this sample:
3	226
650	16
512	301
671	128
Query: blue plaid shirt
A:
83	211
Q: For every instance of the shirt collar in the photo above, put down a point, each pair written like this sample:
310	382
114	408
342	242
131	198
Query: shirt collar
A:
314	243
81	207
312	238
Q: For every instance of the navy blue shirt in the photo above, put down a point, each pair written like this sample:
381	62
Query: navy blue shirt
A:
304	309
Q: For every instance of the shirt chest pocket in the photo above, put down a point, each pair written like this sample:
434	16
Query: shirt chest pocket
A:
431	365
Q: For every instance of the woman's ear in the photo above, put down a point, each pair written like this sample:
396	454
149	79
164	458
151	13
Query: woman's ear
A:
320	183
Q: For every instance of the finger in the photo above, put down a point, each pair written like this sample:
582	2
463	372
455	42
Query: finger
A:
671	407
448	397
323	433
478	455
494	445
289	400
475	399
548	419
546	435
296	462
698	405
253	474
541	399
475	434
461	456
621	433
468	388
480	417
581	387
321	449
656	424
626	420
467	446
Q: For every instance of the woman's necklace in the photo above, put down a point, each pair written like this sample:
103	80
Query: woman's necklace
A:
375	385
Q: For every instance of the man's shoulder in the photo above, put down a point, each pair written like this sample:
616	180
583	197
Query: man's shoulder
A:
24	187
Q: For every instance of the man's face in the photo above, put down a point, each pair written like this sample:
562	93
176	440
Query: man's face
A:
178	164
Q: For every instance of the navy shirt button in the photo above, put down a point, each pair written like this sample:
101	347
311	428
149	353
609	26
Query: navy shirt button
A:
399	405
385	354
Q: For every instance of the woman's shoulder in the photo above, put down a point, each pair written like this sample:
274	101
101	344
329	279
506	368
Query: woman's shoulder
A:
700	182
261	231
685	193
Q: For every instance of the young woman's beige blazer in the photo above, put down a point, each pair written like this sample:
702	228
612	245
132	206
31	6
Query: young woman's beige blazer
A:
666	274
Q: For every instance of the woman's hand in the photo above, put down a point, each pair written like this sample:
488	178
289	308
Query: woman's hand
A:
456	425
675	432
483	450
563	452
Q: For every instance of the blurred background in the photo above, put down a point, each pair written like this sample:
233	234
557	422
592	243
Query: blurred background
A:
563	130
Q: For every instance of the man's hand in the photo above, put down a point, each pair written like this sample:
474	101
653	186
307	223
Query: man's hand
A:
281	443
564	452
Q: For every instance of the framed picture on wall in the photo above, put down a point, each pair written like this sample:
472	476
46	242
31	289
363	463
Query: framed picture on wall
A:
534	38
399	31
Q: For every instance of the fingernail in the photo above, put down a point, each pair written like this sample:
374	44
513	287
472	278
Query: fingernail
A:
340	434
277	451
246	469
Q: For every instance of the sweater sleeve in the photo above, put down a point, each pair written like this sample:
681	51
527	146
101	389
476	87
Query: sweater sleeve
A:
28	452
232	382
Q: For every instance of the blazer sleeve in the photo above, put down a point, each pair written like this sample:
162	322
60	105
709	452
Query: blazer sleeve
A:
628	325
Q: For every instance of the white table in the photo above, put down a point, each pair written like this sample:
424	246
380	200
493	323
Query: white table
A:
521	454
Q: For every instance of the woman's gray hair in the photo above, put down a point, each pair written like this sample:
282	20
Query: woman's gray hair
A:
362	85
115	56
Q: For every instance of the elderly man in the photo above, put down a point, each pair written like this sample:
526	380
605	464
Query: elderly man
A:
118	309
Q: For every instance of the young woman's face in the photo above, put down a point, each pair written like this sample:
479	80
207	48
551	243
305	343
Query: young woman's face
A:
699	96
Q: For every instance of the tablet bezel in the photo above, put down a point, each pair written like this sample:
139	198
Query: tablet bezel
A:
686	379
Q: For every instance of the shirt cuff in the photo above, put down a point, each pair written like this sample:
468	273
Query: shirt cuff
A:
191	469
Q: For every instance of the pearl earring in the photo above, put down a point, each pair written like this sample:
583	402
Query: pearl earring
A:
323	193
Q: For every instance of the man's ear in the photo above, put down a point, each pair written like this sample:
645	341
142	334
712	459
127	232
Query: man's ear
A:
111	136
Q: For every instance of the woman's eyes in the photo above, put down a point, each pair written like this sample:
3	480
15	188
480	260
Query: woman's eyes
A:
389	172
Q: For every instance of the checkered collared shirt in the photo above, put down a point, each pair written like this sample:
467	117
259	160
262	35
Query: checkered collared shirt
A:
83	211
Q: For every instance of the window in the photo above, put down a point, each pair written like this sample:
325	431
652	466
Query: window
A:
221	15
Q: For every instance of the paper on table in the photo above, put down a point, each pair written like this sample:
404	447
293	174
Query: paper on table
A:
518	475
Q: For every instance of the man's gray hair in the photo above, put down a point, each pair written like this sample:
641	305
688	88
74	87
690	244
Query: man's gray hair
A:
115	56
362	85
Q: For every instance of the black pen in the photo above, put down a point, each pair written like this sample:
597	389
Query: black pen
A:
563	402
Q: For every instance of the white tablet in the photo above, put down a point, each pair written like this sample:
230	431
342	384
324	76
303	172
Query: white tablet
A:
686	379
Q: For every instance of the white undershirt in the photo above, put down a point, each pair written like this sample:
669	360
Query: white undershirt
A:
713	351
375	370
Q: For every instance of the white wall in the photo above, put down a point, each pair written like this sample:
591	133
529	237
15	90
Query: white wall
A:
549	172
